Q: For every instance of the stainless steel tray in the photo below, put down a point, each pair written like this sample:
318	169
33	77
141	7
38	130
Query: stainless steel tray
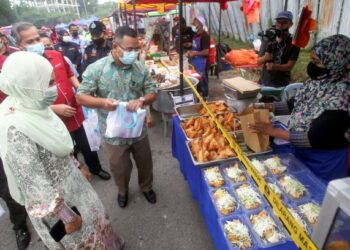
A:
240	142
188	111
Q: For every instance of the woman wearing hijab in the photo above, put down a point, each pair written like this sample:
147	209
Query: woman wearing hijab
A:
320	121
35	148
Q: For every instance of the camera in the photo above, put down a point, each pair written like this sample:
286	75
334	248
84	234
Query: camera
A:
270	34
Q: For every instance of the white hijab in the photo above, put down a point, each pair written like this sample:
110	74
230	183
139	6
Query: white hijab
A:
24	78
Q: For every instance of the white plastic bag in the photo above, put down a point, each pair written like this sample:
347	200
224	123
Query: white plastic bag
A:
92	129
125	124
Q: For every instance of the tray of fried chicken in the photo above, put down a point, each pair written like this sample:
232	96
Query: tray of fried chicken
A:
196	110
210	149
202	126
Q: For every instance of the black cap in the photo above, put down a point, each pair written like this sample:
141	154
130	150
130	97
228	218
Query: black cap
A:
96	28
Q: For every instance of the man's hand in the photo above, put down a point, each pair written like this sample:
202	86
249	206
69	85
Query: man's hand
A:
269	66
110	104
134	105
73	226
191	53
85	172
263	127
63	110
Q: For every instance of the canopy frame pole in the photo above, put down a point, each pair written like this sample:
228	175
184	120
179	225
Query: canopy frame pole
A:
126	16
181	63
134	13
209	14
219	42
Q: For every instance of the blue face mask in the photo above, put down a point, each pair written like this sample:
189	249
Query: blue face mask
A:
194	29
36	48
129	57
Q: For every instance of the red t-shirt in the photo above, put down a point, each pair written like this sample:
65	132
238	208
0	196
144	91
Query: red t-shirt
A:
65	89
2	60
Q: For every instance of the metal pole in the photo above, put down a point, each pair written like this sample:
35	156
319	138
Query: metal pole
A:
126	16
217	54
86	14
209	26
285	4
181	50
134	11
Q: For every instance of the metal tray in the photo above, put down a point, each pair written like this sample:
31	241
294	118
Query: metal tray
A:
208	163
186	112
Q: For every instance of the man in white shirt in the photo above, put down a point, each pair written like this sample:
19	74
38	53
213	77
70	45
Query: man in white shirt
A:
76	38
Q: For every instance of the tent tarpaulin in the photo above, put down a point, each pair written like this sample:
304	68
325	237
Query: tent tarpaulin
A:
150	7
223	3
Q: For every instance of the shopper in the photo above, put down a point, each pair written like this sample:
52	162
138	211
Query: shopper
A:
35	148
68	48
76	38
18	214
121	77
65	106
320	121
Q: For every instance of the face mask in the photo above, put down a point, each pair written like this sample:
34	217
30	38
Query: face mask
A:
75	33
66	39
36	48
50	95
317	73
99	41
129	57
194	29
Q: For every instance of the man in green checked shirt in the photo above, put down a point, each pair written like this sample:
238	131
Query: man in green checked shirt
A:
121	77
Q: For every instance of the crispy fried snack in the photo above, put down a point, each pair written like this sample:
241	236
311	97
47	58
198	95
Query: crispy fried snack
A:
210	148
216	107
199	127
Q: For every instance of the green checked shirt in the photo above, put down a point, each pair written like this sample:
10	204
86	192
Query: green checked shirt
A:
105	79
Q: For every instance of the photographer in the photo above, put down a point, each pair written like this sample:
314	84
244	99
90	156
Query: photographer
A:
277	52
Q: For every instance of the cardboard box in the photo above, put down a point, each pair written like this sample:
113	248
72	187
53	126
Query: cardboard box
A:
255	141
241	88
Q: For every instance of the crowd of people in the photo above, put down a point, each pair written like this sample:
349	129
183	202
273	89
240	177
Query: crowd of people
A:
47	77
43	108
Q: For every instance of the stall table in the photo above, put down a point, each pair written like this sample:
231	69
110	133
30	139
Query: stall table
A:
200	191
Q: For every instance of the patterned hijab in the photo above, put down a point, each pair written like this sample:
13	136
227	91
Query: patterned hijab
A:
331	93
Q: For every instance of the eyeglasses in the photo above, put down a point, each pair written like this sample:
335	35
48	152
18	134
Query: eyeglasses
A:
129	49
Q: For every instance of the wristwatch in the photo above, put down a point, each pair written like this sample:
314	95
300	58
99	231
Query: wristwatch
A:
142	99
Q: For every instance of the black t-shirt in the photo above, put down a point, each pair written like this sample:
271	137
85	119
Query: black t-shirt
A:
281	53
205	41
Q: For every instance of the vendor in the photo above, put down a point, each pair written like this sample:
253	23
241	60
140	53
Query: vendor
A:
187	35
320	121
199	54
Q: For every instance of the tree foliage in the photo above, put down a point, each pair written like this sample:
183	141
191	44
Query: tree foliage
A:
22	12
7	15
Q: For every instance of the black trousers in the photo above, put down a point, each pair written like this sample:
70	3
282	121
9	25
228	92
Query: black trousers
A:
82	145
18	213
